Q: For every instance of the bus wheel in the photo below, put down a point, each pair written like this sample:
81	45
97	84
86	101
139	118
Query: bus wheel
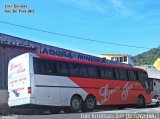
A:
141	102
157	104
89	104
75	105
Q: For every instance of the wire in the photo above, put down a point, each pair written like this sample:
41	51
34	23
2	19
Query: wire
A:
75	37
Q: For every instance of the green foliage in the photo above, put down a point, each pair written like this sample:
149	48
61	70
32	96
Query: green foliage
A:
147	58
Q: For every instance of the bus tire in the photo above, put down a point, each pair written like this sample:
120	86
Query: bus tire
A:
157	104
141	102
89	104
75	105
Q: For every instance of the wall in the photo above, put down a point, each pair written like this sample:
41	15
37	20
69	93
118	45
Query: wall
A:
6	53
4	101
156	87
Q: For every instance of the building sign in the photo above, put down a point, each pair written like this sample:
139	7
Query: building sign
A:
12	43
51	50
157	64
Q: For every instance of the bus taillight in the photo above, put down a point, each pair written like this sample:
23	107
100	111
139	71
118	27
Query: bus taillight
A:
29	90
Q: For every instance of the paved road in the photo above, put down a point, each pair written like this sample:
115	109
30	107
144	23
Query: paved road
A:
144	113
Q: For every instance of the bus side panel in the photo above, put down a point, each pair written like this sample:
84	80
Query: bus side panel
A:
55	90
111	92
58	90
47	95
148	100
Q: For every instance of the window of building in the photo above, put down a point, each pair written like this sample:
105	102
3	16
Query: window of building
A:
125	58
117	59
121	59
113	58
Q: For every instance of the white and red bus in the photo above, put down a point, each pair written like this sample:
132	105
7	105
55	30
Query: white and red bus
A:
50	81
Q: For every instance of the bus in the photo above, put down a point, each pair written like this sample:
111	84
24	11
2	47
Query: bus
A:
39	80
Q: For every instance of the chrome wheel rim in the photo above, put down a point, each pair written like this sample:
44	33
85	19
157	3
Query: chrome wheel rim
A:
90	103
75	103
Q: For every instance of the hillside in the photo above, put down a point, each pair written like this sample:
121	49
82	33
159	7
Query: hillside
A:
147	58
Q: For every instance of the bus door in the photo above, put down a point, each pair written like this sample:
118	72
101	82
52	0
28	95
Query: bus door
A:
150	82
143	78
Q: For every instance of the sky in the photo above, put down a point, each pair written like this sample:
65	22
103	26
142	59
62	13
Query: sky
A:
128	22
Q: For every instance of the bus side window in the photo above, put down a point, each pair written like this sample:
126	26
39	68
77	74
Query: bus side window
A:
93	72
45	65
106	73
102	73
123	74
62	68
133	75
142	78
53	66
37	66
116	73
83	70
150	81
73	69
